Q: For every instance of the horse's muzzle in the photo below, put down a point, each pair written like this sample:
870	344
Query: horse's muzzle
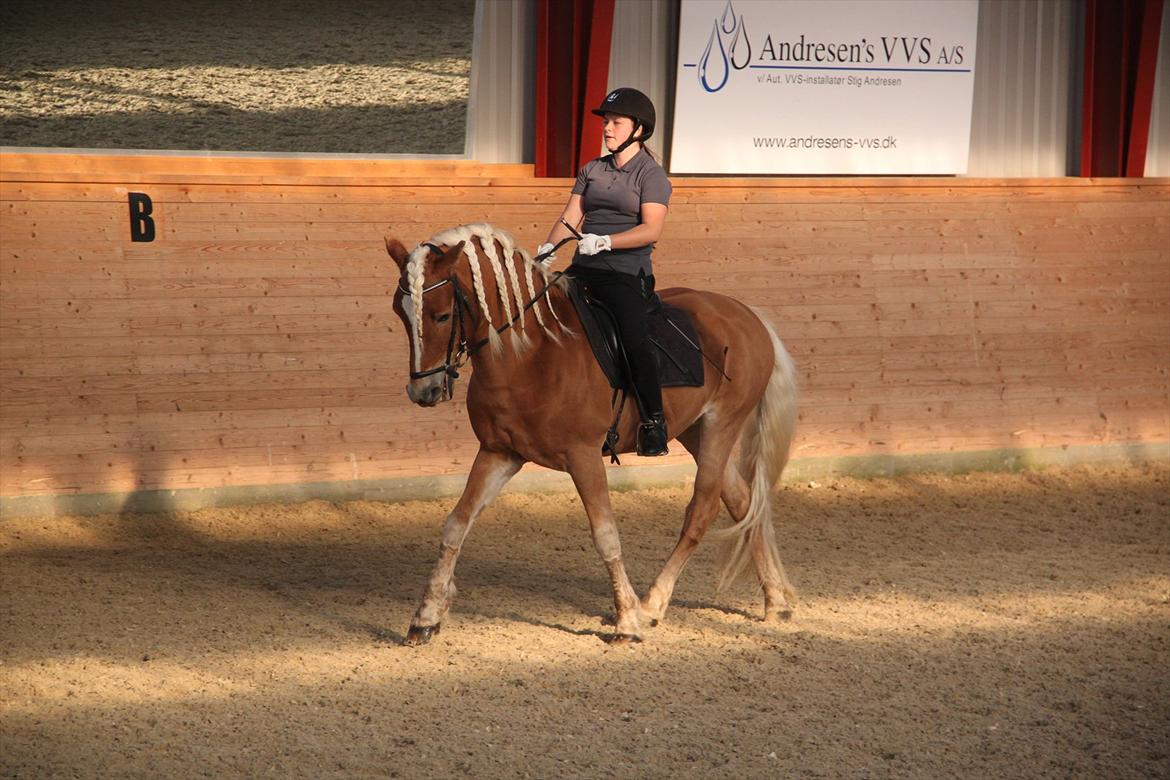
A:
426	392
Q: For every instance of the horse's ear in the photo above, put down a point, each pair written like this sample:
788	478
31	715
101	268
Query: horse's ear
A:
397	251
444	264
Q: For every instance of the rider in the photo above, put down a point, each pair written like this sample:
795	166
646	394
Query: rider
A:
623	199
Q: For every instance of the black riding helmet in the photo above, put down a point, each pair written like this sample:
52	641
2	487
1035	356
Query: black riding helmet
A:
627	101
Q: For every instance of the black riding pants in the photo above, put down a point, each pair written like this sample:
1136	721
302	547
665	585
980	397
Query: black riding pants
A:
629	298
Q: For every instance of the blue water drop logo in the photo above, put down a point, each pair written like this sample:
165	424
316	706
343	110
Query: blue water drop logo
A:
720	66
740	45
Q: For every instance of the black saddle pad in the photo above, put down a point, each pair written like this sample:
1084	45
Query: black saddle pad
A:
672	333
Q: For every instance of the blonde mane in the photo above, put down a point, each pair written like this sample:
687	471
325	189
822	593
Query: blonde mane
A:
505	268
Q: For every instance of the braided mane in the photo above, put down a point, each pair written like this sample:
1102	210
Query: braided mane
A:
506	268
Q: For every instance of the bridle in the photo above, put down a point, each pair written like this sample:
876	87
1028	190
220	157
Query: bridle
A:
459	351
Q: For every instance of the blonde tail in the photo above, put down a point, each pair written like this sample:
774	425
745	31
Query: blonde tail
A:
764	451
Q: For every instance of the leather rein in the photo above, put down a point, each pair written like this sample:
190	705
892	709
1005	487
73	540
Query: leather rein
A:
459	351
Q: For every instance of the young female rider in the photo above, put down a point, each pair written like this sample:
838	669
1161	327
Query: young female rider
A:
623	199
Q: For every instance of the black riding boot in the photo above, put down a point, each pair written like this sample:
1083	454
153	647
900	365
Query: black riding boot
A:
652	436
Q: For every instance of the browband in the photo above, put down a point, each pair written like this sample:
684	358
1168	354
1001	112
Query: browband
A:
438	251
425	289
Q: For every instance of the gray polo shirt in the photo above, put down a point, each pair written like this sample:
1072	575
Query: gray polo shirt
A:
612	199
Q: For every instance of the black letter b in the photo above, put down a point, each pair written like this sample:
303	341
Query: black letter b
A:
141	225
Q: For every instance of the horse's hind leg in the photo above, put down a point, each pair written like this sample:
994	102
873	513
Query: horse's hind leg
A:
712	450
588	473
736	495
779	594
778	591
490	472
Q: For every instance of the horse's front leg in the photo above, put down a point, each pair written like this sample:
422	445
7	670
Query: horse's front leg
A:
588	473
490	472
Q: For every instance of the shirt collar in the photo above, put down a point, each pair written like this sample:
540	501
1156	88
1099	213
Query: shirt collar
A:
629	164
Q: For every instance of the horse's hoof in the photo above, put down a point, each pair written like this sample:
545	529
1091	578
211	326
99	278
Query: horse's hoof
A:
624	639
420	635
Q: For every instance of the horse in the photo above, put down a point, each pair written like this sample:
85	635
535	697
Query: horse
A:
512	318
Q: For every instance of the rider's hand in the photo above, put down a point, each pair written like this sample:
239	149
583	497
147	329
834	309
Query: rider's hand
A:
591	244
540	250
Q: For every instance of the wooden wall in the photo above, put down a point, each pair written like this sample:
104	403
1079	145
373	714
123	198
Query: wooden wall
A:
252	342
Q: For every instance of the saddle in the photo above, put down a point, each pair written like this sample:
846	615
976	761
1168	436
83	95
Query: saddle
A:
672	334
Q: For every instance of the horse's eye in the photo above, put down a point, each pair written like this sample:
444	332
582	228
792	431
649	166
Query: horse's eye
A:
442	318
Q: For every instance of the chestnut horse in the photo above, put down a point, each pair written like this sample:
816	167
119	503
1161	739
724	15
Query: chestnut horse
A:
537	394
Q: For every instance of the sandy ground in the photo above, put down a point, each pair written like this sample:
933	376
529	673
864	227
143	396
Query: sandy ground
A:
362	76
970	626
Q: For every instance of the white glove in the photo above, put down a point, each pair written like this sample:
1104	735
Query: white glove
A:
540	250
591	244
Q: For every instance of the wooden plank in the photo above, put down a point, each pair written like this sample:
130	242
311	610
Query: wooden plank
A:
1003	416
121	403
277	441
167	428
17	164
851	327
701	253
98	309
876	438
407	208
93	220
946	374
133	373
196	280
211	343
347	356
398	411
180	384
874	372
124	477
814	204
539	191
825	340
949	216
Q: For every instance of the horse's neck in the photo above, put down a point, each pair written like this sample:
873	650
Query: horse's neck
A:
529	349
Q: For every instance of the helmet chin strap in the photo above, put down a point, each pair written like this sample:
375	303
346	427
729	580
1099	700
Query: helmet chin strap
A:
621	148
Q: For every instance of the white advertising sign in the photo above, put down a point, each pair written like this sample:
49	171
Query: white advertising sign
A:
824	86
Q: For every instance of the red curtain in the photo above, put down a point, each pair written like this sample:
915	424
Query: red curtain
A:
1121	52
572	72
